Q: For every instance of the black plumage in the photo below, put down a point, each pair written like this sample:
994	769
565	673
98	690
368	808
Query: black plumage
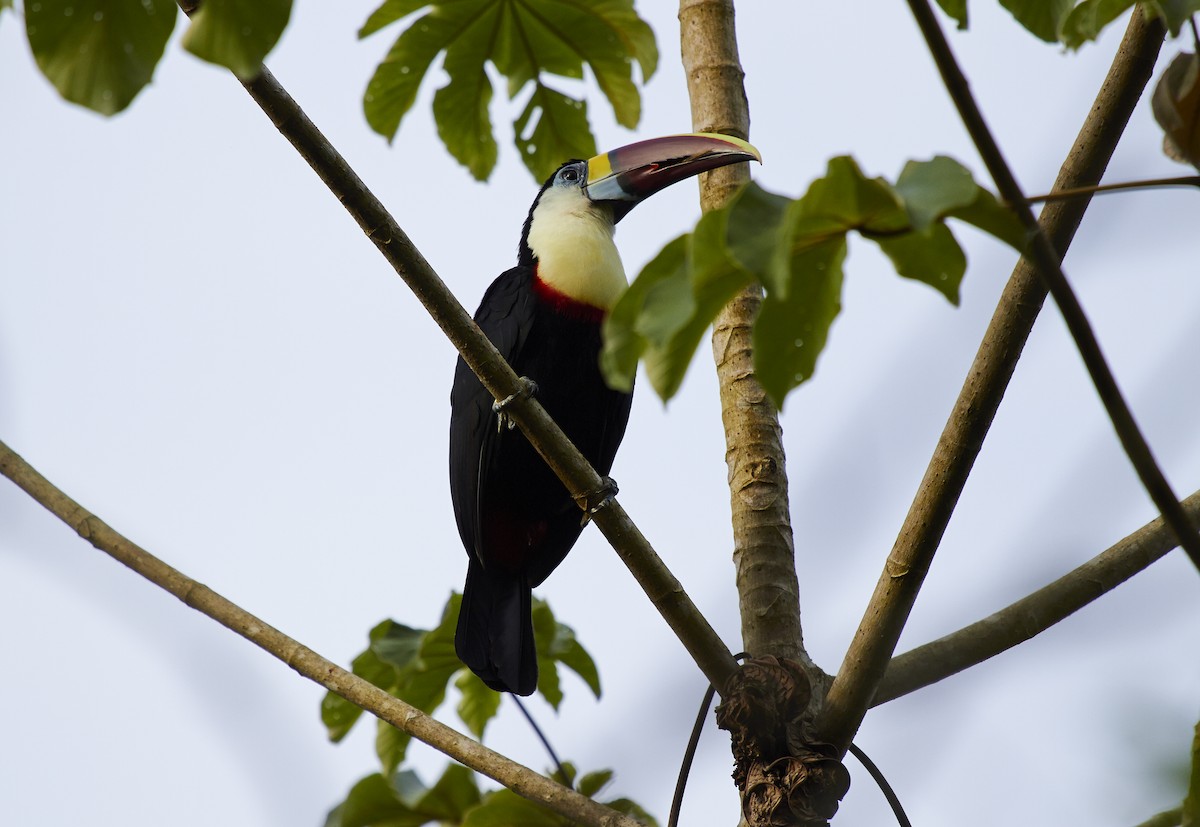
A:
515	517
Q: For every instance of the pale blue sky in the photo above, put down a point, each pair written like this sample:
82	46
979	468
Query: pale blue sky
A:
199	345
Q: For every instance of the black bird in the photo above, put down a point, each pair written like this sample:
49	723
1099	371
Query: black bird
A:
515	517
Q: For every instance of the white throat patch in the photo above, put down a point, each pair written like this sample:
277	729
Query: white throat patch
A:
572	239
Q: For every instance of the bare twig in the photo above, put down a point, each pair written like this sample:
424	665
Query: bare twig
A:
1149	183
1033	614
976	406
520	779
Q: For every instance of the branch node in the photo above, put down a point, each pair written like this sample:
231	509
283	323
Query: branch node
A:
785	777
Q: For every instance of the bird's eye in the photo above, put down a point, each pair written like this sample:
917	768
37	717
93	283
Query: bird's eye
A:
570	174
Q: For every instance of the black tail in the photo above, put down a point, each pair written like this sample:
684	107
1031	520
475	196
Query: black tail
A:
495	631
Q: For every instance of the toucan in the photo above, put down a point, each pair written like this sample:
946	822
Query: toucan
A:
515	517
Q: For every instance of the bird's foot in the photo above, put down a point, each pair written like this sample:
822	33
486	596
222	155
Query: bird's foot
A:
593	501
528	388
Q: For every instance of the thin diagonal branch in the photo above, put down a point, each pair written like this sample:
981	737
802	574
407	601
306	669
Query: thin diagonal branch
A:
1049	268
664	590
977	403
1033	614
467	751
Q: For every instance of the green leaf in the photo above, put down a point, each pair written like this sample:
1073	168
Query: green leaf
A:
1088	19
523	41
5	4
988	214
406	802
846	199
556	644
624	345
373	801
99	53
793	325
1175	13
504	808
570	653
413	664
559	131
632	808
931	189
393	647
673	301
416	665
931	256
338	715
943	188
452	796
956	9
391	745
422	682
237	34
390	12
1176	106
460	108
393	88
795	250
479	704
759	235
594	782
712	279
1044	18
1191	802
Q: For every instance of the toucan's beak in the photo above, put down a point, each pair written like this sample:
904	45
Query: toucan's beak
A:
635	172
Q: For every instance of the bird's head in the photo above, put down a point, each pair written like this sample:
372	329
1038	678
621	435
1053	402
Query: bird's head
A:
603	189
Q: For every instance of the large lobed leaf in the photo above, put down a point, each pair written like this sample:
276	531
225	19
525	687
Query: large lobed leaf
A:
795	249
523	40
99	53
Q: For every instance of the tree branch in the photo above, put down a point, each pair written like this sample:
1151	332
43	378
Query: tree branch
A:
763	554
1049	268
698	637
467	751
973	411
1033	614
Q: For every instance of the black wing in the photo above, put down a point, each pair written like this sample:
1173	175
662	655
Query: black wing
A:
505	315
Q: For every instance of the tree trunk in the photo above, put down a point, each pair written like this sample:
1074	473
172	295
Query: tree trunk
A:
762	532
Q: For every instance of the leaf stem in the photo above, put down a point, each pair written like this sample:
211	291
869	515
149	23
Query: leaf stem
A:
1100	189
